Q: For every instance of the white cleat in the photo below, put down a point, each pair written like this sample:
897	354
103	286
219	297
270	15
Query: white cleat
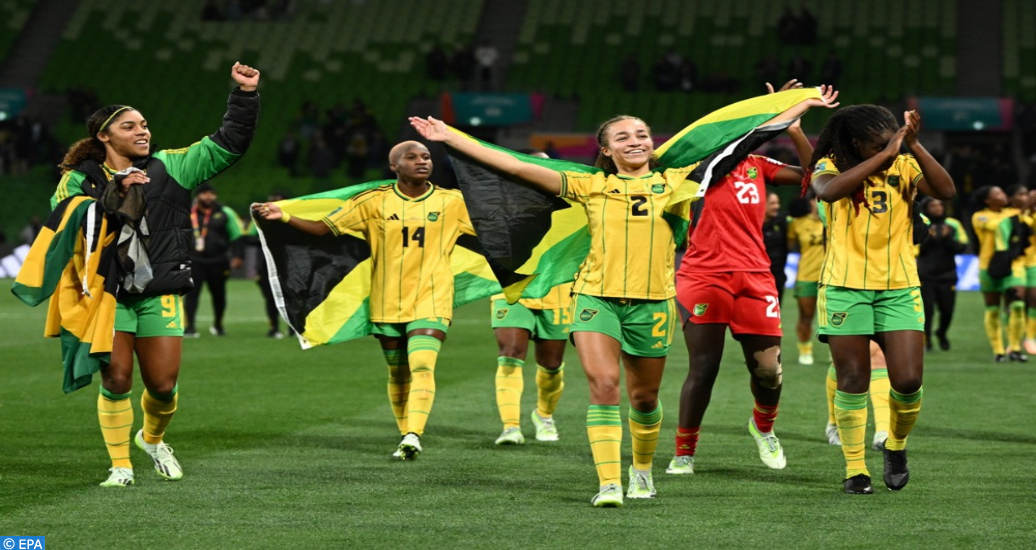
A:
546	429
832	434
165	463
120	477
511	436
879	440
770	451
681	465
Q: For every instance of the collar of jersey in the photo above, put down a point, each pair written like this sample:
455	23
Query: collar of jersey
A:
404	196
622	177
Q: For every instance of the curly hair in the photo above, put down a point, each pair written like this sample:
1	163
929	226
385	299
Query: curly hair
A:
606	163
91	147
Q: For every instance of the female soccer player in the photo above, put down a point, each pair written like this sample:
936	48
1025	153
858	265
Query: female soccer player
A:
726	280
806	234
623	309
993	227
937	268
412	227
869	284
150	323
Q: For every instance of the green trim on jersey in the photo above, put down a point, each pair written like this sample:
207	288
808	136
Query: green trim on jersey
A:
191	166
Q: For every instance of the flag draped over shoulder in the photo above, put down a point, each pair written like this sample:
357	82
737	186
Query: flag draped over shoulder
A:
534	241
73	260
322	284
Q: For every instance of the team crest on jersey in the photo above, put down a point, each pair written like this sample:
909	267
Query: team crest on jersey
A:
822	166
658	188
587	314
501	313
699	309
837	319
433	216
894	181
753	173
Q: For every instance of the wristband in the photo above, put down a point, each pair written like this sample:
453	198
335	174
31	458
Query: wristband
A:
285	217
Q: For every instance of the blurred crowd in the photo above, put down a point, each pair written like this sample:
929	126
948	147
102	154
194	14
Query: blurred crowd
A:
341	137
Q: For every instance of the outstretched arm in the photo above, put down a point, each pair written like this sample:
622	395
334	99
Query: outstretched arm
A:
270	211
827	99
542	178
936	181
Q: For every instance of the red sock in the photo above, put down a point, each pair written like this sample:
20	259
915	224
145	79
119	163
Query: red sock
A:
764	417
687	440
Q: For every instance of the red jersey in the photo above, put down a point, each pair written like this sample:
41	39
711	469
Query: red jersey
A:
728	235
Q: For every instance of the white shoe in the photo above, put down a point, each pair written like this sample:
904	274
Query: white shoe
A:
546	430
832	434
770	451
610	496
805	358
879	440
681	465
410	447
165	464
641	484
511	436
120	477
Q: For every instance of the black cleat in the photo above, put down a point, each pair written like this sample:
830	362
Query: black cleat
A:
999	358
896	473
944	342
859	484
1017	357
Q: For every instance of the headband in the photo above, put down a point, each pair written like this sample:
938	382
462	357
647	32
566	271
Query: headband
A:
117	111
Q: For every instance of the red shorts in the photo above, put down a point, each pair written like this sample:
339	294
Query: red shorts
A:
744	301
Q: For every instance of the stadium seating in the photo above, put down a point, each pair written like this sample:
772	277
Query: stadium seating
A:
1019	49
13	14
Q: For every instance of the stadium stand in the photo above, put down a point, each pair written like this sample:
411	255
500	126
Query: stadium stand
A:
13	14
1019	49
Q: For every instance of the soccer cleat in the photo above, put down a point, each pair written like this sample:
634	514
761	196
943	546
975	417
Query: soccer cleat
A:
641	484
610	496
683	464
217	331
999	358
410	447
832	434
805	358
896	473
770	451
1017	357
511	436
190	333
546	430
944	344
275	334
879	440
120	477
165	463
859	484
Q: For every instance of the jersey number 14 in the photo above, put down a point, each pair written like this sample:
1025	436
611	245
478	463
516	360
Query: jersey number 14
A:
416	236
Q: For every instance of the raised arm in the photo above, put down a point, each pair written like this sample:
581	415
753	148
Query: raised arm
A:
827	99
270	211
542	178
936	181
802	145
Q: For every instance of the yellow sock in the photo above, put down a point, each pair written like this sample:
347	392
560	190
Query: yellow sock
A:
644	428
880	388
1016	326
604	428
992	323
509	386
115	412
805	348
832	387
1030	324
398	392
851	415
904	409
549	385
158	411
423	351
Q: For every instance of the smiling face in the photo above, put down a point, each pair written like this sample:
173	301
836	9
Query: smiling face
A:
874	144
628	143
411	161
127	135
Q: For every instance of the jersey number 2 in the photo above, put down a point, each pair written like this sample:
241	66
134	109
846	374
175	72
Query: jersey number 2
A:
774	307
417	236
637	208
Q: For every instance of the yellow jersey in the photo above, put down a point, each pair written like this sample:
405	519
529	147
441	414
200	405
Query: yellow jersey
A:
411	240
807	235
991	236
632	248
873	249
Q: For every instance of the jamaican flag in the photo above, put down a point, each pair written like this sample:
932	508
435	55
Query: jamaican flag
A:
322	284
534	241
73	260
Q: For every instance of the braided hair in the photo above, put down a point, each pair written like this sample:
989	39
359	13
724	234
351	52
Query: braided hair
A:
605	162
91	147
856	122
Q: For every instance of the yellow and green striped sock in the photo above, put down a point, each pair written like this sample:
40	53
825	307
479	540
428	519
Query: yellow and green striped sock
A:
851	416
1030	323
509	387
904	409
832	387
423	351
115	413
993	333
158	411
398	391
806	348
604	428
644	429
880	388
549	385
1016	325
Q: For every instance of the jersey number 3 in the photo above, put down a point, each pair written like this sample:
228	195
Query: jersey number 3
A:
747	192
417	236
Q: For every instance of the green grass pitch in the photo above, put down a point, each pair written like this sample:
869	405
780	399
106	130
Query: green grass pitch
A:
285	448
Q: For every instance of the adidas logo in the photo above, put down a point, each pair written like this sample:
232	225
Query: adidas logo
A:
393	218
615	191
172	324
658	345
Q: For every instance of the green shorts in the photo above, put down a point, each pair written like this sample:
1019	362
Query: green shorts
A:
643	327
989	284
542	324
1030	276
849	312
805	289
399	330
148	316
